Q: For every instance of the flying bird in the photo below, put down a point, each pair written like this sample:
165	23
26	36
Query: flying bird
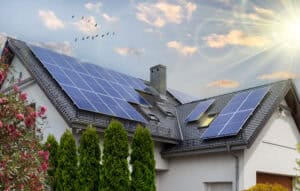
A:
93	37
95	25
75	40
73	16
96	35
107	33
82	17
102	35
87	37
82	38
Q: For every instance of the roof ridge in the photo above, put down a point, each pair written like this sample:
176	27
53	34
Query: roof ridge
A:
242	90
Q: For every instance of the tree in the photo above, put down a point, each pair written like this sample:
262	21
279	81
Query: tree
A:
51	146
66	172
267	187
89	160
142	161
114	171
23	163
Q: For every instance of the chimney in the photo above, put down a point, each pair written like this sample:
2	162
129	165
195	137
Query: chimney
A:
158	78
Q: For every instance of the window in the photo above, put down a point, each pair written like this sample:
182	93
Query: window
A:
206	120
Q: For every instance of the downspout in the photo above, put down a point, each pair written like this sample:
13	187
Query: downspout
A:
237	167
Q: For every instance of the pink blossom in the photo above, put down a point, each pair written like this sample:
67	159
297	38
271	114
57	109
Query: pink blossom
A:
20	116
40	153
3	100
44	166
46	155
43	110
23	96
16	88
1	76
1	124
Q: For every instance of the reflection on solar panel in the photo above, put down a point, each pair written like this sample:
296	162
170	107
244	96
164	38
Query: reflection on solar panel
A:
199	110
235	114
182	97
92	87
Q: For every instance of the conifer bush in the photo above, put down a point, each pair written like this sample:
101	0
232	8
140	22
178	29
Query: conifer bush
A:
51	145
89	160
267	187
66	172
114	171
142	161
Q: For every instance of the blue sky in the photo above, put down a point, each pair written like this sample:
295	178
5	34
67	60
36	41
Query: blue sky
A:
209	47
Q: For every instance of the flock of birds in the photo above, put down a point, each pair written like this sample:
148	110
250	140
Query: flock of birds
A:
93	37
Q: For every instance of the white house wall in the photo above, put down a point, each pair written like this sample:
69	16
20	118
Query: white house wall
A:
274	151
195	173
54	124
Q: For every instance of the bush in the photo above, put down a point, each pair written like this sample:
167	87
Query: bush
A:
114	172
142	161
66	172
23	163
51	145
267	187
89	161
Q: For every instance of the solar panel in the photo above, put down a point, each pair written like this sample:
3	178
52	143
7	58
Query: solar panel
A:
92	87
235	114
199	110
182	97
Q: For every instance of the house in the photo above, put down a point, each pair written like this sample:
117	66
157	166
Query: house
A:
223	143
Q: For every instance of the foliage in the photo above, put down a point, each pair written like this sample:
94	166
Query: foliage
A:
66	172
23	163
267	187
89	161
115	173
142	161
51	145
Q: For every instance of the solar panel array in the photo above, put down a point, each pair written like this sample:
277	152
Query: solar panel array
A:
199	110
182	97
235	114
94	88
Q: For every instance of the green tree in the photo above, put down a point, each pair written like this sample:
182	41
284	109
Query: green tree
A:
114	171
51	145
67	163
89	160
142	161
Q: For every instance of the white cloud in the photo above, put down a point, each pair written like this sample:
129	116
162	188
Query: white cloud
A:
87	25
129	51
160	13
93	6
50	20
235	37
224	84
281	75
60	47
110	19
264	12
184	49
190	8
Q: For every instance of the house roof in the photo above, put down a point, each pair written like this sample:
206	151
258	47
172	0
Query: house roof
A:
184	138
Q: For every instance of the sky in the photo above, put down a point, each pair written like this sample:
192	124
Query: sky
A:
210	47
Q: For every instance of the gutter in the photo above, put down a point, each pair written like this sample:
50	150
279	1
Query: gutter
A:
237	167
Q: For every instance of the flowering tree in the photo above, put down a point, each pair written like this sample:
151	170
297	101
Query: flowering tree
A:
23	163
